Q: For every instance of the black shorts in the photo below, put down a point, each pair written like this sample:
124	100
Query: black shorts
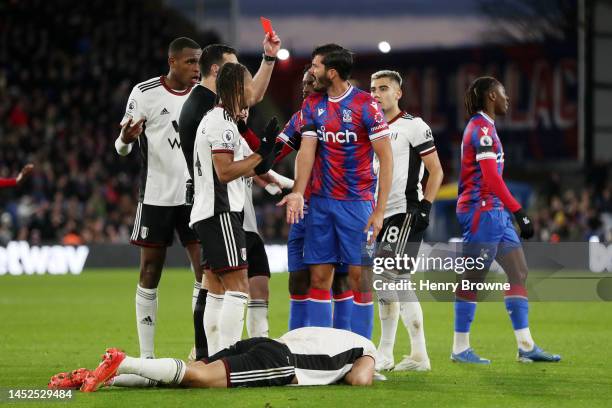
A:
397	236
257	362
223	242
256	255
154	226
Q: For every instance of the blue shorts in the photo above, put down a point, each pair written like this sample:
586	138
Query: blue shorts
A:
295	249
488	233
334	232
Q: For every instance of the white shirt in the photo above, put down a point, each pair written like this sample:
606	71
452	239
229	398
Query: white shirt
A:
411	139
250	219
325	352
216	134
164	170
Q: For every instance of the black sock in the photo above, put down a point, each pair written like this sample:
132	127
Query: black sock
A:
201	344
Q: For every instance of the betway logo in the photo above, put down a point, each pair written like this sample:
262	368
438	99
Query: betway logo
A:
19	258
339	137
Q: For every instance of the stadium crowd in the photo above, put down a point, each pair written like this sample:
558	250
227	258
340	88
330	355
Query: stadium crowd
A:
578	214
61	103
60	106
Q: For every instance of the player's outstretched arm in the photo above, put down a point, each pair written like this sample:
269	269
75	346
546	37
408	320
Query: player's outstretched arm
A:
227	169
25	173
271	45
361	373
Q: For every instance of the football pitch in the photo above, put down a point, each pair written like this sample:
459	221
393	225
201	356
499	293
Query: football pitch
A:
57	323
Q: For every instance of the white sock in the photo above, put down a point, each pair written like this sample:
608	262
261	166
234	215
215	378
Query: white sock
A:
231	321
412	316
212	313
523	339
461	342
146	318
164	370
194	296
257	318
389	315
132	381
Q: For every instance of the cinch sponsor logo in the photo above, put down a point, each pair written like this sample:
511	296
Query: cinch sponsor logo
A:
339	137
19	258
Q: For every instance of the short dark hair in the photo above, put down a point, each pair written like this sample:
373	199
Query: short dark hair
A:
336	57
475	96
178	44
230	87
213	54
325	49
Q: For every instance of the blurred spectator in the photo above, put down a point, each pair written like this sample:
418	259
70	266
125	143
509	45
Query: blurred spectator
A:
574	214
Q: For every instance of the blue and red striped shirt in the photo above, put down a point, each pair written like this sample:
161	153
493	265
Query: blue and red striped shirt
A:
480	142
345	126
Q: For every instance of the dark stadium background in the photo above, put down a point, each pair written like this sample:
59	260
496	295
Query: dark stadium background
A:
67	67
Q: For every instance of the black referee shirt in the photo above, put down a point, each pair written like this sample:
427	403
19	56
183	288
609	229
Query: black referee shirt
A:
200	101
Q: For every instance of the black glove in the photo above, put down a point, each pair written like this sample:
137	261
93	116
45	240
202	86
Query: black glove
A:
189	192
525	224
421	216
267	141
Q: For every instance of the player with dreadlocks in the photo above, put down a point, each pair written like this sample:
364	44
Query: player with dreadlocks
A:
488	231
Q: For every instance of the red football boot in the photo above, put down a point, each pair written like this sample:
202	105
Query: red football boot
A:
68	381
105	371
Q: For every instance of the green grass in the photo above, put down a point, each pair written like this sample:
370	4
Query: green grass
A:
57	323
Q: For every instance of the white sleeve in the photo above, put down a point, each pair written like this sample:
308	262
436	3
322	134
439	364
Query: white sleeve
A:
133	110
369	349
122	148
422	140
285	182
246	150
223	137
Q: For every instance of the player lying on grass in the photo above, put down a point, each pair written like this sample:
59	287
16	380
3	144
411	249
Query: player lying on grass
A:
305	356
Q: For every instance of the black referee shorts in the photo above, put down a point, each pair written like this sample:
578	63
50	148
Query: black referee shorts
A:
256	255
223	242
257	362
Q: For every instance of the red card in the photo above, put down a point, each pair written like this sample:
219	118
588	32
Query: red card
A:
267	25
